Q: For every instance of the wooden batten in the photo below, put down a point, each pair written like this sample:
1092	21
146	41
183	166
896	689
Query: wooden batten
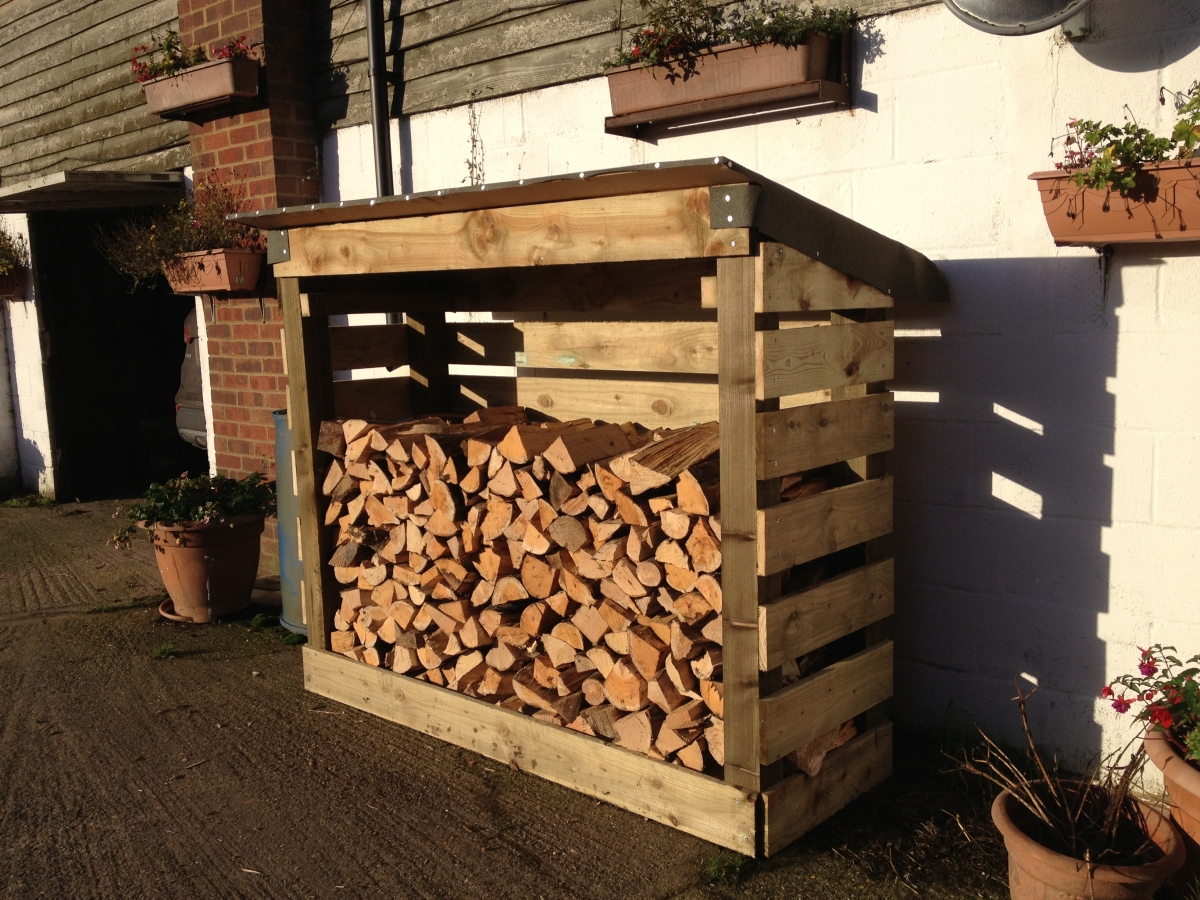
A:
805	529
368	346
792	282
673	795
678	347
373	399
796	360
819	434
812	706
667	225
798	624
799	804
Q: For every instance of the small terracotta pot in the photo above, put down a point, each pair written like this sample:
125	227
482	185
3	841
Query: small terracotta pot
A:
207	86
1183	787
209	569
1038	873
209	271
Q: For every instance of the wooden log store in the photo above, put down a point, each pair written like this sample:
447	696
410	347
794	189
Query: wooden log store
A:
662	295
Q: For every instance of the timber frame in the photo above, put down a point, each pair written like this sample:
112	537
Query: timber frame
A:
666	295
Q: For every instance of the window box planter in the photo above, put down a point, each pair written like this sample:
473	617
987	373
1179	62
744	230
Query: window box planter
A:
12	285
208	86
1168	208
216	271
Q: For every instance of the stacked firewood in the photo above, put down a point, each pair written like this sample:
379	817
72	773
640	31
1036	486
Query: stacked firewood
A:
570	571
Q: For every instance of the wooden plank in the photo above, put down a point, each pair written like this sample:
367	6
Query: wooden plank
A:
126	139
680	347
368	346
801	803
655	404
793	282
796	360
374	399
792	717
807	437
673	795
739	505
667	225
310	402
432	390
800	623
804	529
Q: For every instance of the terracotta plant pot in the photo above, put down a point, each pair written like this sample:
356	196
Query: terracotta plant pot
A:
1038	873
1183	787
209	570
726	71
207	86
211	271
13	284
1165	207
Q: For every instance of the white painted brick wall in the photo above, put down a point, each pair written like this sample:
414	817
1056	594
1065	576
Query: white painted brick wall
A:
954	122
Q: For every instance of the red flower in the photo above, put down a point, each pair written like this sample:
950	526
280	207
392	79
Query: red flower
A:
1161	716
1121	705
1106	693
1147	667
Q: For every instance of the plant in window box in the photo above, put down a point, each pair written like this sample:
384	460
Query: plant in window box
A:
179	82
14	263
689	51
191	243
205	531
1125	184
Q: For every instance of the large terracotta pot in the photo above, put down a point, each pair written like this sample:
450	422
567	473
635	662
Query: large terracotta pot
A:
726	71
207	86
209	570
1183	787
1038	873
209	271
1165	208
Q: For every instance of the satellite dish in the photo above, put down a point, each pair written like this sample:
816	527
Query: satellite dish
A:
1016	16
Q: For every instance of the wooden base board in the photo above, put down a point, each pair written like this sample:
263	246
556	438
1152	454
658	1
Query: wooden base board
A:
801	803
673	795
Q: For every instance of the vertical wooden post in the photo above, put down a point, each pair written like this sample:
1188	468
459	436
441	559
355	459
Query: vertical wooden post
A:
739	518
310	400
428	359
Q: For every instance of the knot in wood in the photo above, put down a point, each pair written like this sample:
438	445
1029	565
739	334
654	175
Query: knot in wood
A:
545	401
661	407
852	369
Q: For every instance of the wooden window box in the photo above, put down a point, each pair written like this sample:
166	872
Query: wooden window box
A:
203	91
1167	208
217	271
735	79
670	295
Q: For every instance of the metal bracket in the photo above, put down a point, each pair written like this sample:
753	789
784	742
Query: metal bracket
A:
279	248
733	205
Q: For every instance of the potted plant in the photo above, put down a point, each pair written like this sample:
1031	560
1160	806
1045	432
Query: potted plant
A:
205	531
689	51
191	243
180	81
1166	691
1124	184
14	263
1087	838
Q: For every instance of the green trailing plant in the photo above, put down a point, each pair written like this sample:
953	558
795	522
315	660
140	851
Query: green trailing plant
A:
1168	695
677	33
204	499
143	245
14	252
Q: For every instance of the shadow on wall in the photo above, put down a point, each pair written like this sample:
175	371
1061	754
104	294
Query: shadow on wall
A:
1132	37
1002	493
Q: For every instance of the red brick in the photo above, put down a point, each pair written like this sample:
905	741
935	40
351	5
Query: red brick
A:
230	156
243	134
248	365
254	432
237	413
275	401
263	382
220	364
266	451
230	313
227	429
227	462
246	332
232	348
274	366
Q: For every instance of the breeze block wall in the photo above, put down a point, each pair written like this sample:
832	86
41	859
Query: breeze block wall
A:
270	150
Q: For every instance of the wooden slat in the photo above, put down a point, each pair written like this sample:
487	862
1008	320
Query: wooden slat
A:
309	403
793	282
676	796
484	343
368	346
807	437
430	385
679	347
739	504
655	404
801	803
798	624
804	529
796	360
667	225
376	399
792	717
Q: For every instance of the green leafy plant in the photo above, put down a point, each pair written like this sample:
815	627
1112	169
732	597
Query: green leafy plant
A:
144	245
14	252
168	56
1166	690
678	32
292	639
724	868
203	499
163	651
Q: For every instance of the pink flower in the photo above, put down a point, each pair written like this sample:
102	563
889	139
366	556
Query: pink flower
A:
1147	668
1106	692
1121	705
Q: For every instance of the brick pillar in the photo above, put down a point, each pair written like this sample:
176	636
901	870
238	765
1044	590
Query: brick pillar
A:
271	151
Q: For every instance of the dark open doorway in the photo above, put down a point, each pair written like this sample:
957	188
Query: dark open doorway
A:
112	361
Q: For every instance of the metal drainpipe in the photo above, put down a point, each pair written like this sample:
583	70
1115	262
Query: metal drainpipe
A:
377	71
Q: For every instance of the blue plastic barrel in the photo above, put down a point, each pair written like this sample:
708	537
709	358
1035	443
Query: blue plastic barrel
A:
292	616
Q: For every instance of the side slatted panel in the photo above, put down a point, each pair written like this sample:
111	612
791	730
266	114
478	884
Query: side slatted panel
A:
826	539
